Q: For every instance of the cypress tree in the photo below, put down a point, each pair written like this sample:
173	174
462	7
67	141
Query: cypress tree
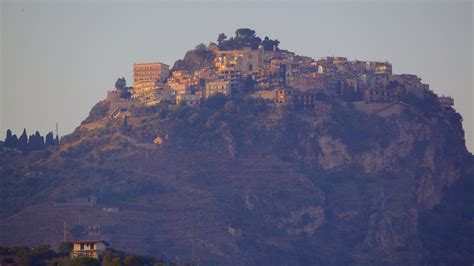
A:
49	140
23	141
56	141
14	142
9	139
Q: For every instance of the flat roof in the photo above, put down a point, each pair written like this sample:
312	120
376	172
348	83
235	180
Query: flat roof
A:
150	64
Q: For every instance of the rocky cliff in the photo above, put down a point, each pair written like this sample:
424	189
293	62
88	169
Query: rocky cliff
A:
239	183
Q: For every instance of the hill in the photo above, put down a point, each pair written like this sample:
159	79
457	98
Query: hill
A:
241	181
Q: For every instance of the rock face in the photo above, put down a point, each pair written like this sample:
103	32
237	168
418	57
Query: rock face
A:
254	187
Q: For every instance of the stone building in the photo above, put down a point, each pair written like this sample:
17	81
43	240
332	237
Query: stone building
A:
379	95
322	107
190	99
446	101
218	86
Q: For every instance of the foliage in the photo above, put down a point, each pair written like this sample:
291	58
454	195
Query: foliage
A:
352	128
268	44
215	101
132	260
26	144
243	37
65	247
121	84
77	230
84	261
195	59
448	226
97	112
201	46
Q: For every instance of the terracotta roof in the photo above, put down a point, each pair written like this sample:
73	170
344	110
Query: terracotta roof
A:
90	241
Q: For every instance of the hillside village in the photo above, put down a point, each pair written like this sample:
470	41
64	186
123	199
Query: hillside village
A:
279	77
327	164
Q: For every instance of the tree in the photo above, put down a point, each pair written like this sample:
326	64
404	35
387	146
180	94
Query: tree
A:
23	141
84	261
9	139
49	141
221	38
36	142
132	260
201	46
243	37
56	141
121	84
66	247
76	230
268	44
244	33
14	141
216	101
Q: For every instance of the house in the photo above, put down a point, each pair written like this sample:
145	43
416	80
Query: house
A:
89	248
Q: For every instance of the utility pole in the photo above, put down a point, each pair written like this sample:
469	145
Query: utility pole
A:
66	232
193	244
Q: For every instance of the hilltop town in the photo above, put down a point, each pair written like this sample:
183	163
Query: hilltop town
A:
247	66
243	153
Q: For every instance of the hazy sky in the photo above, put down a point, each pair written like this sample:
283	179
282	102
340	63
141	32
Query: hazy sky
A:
59	58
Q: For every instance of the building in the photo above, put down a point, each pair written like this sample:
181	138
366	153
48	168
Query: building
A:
305	99
150	96
89	248
284	96
180	88
218	86
232	76
149	72
190	99
313	82
322	107
446	101
379	95
267	95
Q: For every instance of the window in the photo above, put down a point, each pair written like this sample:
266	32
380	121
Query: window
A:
92	246
82	246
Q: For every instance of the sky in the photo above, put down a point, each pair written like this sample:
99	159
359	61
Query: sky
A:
59	58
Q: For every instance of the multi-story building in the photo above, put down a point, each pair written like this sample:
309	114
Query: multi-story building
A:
232	76
313	82
89	248
285	96
379	95
180	88
149	72
190	99
218	86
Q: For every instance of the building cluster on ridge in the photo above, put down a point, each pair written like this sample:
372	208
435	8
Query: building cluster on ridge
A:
280	77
